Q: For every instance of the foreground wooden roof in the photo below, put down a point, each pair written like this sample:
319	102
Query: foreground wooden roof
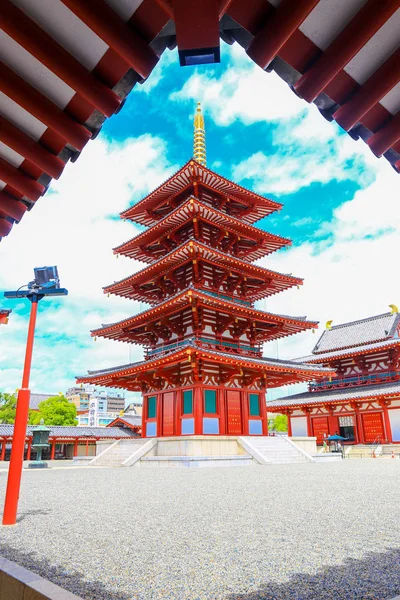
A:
67	65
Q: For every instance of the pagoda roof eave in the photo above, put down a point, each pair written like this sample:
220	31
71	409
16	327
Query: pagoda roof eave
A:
192	249
182	299
350	352
189	172
194	205
336	396
114	377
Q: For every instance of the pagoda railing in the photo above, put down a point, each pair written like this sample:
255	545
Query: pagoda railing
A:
225	297
228	347
355	381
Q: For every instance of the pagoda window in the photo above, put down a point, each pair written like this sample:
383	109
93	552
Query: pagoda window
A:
210	402
188	402
254	405
151	407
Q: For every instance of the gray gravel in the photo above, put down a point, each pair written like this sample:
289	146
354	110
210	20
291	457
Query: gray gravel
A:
297	532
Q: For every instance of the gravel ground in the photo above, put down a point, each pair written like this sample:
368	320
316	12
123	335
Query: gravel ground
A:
282	532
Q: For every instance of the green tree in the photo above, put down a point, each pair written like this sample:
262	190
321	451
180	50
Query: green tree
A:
279	423
8	404
56	410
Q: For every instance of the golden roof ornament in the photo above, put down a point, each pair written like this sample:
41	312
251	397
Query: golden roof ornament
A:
199	146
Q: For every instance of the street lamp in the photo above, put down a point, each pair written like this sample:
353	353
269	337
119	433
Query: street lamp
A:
46	283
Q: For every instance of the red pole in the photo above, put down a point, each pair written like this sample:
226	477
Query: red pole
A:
21	420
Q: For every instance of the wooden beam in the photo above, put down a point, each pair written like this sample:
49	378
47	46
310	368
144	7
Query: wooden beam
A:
43	109
345	46
5	227
49	52
118	35
385	137
14	177
12	207
31	150
197	27
278	29
373	90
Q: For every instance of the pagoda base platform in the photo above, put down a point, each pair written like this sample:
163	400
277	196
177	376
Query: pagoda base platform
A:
203	451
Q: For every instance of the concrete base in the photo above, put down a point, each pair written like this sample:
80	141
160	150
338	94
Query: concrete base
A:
40	464
82	460
195	461
328	457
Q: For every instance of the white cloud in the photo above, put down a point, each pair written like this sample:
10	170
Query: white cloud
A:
75	226
351	275
243	92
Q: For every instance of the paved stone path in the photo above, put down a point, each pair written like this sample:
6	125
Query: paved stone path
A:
282	532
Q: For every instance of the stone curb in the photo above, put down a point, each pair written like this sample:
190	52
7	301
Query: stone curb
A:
17	583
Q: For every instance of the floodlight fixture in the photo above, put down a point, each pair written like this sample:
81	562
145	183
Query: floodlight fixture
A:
46	283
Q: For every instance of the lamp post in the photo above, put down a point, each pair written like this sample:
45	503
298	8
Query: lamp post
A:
46	283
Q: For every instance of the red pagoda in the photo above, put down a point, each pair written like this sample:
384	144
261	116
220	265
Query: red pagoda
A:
203	370
362	402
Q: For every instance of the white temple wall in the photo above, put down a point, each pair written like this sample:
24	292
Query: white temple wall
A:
299	426
394	418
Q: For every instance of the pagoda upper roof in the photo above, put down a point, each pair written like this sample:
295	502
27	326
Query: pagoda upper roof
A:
285	325
373	348
193	249
193	207
143	211
356	393
277	371
358	333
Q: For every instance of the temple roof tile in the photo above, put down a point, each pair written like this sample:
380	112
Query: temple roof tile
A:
357	333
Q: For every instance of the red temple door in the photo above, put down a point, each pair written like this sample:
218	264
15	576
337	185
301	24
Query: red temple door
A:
320	427
168	413
234	412
373	427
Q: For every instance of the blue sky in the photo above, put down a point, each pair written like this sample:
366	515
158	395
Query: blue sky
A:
340	210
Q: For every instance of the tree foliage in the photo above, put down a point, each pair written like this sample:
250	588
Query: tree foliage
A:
8	403
279	423
56	410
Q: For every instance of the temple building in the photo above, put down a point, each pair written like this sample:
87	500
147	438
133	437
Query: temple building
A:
362	402
4	315
203	370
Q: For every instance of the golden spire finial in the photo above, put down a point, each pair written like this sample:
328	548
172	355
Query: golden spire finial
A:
199	147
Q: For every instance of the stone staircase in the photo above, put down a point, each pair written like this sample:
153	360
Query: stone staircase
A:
274	450
119	452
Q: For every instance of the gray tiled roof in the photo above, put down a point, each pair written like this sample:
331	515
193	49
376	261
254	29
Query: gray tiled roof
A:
132	420
66	431
37	398
358	333
356	392
348	351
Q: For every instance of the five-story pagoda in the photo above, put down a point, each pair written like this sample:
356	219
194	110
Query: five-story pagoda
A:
203	371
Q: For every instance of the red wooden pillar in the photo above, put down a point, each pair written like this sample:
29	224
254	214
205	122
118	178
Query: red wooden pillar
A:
386	422
356	435
53	449
245	413
198	409
76	448
263	413
309	424
144	415
289	423
28	454
177	412
221	408
360	428
87	448
3	449
159	414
